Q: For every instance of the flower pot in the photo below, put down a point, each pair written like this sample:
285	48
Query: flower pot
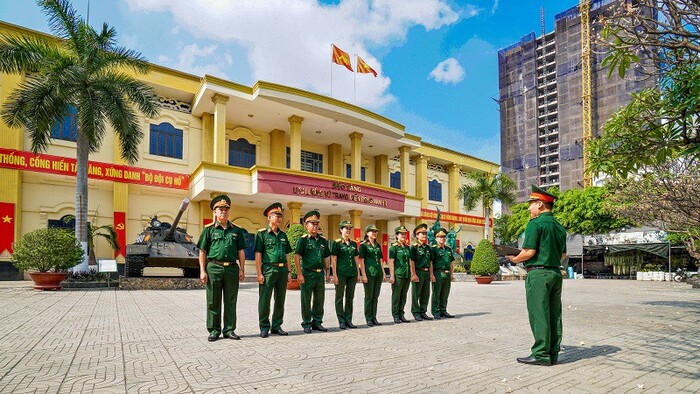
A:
47	280
293	284
483	279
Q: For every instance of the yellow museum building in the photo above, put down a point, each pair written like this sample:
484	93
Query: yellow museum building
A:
257	144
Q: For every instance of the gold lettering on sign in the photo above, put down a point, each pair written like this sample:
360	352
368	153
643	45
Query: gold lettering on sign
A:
345	192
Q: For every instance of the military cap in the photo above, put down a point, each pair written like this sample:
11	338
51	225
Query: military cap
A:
371	227
220	201
312	216
401	229
422	226
440	231
274	207
344	224
541	195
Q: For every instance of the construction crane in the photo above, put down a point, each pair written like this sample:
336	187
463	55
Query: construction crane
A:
586	110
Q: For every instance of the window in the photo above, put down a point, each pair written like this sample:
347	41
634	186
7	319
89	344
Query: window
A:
241	153
434	190
67	129
310	161
166	140
348	172
395	179
65	222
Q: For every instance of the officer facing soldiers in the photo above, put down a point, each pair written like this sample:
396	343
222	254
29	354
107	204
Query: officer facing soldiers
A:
271	249
399	256
219	245
544	246
345	273
441	274
421	272
312	249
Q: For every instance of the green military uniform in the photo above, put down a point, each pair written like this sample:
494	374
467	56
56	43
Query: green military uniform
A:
313	251
273	247
346	272
401	254
221	246
372	255
420	291
441	258
543	284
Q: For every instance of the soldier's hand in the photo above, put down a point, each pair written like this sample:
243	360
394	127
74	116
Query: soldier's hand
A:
328	278
203	277
335	280
261	279
414	278
391	280
241	276
289	277
364	279
432	278
300	277
383	278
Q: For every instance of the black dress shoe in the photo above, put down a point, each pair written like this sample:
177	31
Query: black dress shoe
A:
417	317
447	315
213	337
232	335
343	326
264	334
404	320
319	328
437	317
397	320
532	361
376	323
350	325
307	330
425	316
370	323
280	332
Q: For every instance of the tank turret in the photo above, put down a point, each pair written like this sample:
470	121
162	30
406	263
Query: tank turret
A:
163	244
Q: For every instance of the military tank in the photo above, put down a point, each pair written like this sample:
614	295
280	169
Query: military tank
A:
163	244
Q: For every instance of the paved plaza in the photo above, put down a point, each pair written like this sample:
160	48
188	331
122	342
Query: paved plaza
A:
619	336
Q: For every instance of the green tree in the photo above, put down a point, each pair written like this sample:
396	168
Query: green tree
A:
584	211
84	69
294	232
47	249
487	189
508	227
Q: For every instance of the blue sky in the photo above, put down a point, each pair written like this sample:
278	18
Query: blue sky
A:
437	59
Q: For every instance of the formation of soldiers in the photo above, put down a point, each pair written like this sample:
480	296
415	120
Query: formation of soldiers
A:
222	267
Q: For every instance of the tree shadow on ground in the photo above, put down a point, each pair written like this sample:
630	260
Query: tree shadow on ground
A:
571	354
460	315
690	305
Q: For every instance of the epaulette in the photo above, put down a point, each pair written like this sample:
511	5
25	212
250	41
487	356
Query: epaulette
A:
305	236
434	246
262	229
339	240
415	244
395	244
209	225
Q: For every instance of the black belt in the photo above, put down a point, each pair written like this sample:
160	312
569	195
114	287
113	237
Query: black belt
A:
423	269
314	270
276	264
222	263
445	271
538	267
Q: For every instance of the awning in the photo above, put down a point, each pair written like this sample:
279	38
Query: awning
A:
659	249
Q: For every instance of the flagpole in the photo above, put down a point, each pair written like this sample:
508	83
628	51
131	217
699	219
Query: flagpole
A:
331	70
354	80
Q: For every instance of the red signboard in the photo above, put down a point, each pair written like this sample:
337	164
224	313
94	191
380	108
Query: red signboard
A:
120	227
27	161
328	190
451	217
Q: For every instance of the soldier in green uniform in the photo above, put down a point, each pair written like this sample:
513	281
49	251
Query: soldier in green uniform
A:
441	275
370	260
400	278
220	244
345	273
421	271
271	249
311	258
544	247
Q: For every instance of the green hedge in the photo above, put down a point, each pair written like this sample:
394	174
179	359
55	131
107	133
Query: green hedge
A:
485	261
293	234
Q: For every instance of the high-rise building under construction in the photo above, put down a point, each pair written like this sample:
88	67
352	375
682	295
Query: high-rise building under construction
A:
541	101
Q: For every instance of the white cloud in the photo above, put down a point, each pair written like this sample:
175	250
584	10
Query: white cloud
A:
448	71
495	7
289	42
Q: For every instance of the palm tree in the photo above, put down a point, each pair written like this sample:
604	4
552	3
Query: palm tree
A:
487	189
84	69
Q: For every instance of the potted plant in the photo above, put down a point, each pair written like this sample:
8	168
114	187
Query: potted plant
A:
47	253
485	262
294	232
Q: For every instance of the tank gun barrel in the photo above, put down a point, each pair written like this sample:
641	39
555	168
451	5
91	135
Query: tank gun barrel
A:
183	208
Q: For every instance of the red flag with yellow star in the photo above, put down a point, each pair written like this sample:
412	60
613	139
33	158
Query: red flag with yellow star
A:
341	57
7	226
364	68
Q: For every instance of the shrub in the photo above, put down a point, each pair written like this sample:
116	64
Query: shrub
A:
485	261
47	249
293	234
